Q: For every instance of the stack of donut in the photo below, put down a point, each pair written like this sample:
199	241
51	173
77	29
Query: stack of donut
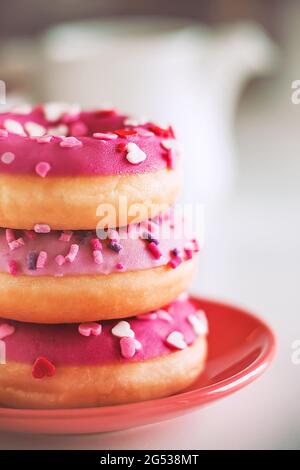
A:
93	273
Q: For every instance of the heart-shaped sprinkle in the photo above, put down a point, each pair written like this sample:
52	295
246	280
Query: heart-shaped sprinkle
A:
176	340
42	367
44	139
59	131
199	322
34	129
60	260
42	228
168	144
122	330
7	157
164	315
54	111
6	330
2	352
128	347
70	142
42	169
105	135
135	154
138	345
88	329
14	127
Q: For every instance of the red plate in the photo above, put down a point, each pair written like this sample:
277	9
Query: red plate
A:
241	347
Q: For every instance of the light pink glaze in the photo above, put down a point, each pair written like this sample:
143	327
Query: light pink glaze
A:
94	157
64	345
135	254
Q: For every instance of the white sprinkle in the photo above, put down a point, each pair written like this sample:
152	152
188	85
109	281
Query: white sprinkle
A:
135	154
61	130
7	157
122	330
176	339
34	129
168	144
199	322
14	127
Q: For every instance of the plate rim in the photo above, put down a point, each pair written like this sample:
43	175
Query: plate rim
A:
188	399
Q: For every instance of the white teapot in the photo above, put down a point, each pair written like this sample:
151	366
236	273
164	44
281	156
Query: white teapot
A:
163	70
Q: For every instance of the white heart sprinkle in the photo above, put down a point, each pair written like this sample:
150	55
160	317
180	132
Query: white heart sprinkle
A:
60	130
14	127
176	339
2	353
135	154
138	345
199	322
168	144
34	129
122	329
7	157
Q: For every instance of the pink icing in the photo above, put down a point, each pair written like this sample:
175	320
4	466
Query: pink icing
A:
86	154
64	345
83	253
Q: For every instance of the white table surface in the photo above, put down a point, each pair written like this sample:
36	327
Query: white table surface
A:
251	258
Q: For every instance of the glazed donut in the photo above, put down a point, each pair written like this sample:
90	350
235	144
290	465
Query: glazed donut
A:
108	363
103	159
66	277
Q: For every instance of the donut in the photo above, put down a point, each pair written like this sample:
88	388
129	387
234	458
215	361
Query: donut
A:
82	170
102	363
75	276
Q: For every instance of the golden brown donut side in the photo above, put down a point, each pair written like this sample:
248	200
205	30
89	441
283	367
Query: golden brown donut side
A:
89	386
72	299
70	203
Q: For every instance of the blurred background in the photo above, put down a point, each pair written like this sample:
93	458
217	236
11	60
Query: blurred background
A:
222	72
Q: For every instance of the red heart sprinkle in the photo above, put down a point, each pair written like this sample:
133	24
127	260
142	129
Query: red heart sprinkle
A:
160	131
125	132
42	367
121	147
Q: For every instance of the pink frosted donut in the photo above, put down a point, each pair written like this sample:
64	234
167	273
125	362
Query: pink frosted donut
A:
102	363
74	276
69	162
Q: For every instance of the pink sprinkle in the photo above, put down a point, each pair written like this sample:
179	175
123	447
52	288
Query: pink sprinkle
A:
8	157
155	251
42	169
120	267
44	139
175	262
70	142
30	234
96	244
3	133
98	257
12	267
10	236
113	235
188	252
127	347
6	330
196	245
148	316
60	260
41	260
15	244
144	132
105	135
78	129
72	253
42	228
88	329
66	236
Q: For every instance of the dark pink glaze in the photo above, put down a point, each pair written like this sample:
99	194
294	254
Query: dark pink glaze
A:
64	345
93	158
